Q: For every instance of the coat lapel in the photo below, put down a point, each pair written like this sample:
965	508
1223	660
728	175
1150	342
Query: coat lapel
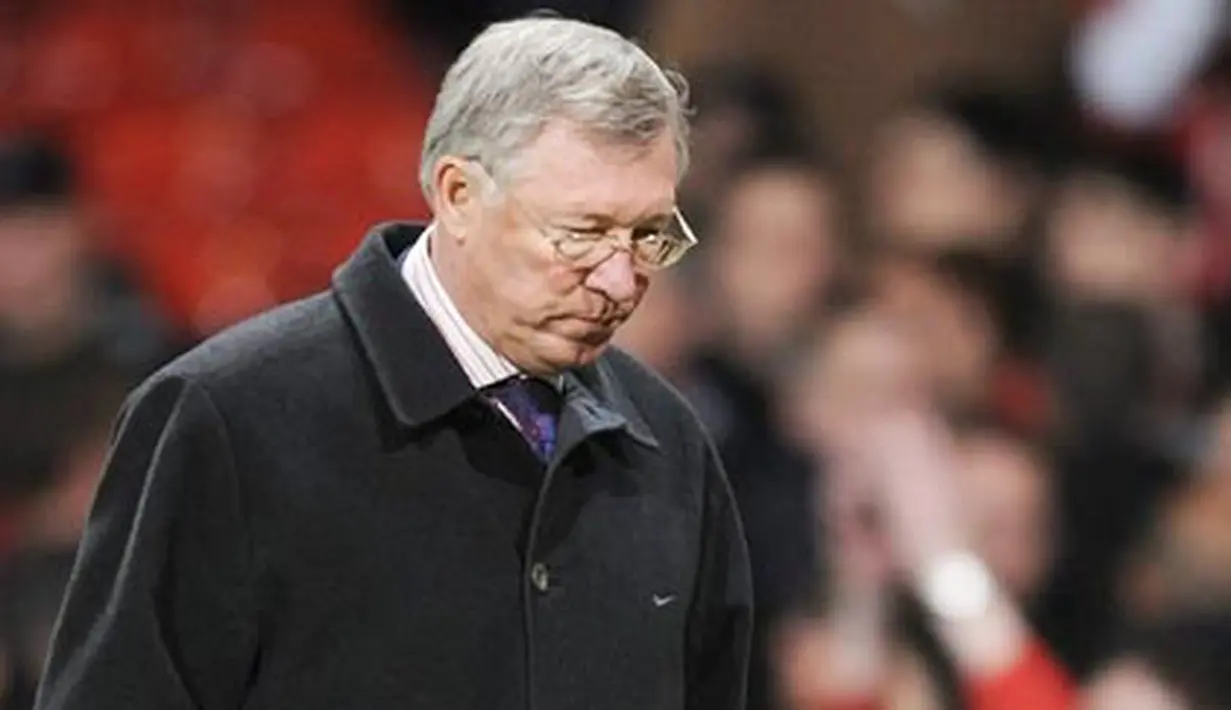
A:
418	376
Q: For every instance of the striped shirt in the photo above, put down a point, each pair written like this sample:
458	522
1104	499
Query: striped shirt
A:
481	363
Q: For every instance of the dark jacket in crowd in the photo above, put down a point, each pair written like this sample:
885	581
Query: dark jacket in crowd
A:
773	490
316	510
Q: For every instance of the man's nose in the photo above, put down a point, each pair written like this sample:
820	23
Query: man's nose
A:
615	277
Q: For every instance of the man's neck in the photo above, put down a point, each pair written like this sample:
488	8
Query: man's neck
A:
453	279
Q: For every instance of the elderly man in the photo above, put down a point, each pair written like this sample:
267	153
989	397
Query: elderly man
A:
433	487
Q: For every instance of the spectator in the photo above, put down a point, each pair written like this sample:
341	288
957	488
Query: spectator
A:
1119	235
1178	663
961	166
55	291
1177	596
864	364
1161	69
42	252
965	169
771	261
855	366
50	415
895	514
946	304
1120	226
1184	561
1123	359
743	114
55	421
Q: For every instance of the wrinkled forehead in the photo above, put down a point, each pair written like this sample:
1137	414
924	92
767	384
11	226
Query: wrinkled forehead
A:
578	172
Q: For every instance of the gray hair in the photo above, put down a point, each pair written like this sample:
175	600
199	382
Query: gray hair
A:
518	75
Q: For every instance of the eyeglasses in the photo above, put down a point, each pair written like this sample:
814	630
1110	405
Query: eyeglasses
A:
652	248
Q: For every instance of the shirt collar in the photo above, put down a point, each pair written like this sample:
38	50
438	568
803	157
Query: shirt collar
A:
483	366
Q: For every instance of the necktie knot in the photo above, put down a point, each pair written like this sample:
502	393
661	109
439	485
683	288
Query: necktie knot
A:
535	406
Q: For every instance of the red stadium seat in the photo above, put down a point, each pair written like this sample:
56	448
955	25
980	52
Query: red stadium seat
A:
286	55
237	148
198	160
336	173
128	157
208	276
175	55
368	149
12	111
74	64
237	266
78	64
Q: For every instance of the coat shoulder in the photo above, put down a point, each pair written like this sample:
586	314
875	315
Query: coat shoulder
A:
281	349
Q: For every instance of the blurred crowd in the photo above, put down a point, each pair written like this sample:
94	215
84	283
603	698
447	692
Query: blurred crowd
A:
1004	330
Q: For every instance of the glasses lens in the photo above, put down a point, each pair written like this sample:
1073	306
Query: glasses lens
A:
667	246
656	250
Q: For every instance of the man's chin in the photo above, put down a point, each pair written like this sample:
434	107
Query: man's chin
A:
562	352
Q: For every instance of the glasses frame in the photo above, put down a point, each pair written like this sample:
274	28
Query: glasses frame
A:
558	236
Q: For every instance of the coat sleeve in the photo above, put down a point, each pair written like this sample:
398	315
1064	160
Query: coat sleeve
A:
159	612
720	626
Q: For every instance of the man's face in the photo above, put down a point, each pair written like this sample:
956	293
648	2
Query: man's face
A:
930	186
774	253
951	329
863	368
536	307
1107	243
40	257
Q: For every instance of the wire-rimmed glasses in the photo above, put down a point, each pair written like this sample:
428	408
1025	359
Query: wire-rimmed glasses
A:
652	248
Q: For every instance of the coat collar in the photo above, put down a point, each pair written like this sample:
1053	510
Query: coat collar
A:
418	375
419	378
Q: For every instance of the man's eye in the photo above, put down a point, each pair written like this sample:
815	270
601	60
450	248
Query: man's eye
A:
585	234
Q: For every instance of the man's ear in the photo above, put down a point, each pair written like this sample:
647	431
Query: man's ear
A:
457	197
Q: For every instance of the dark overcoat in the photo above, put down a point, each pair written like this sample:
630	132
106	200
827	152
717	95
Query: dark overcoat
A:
315	510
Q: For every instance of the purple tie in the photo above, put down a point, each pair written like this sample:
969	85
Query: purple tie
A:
536	407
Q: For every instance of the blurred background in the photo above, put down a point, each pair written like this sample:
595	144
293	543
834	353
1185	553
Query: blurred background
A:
1018	211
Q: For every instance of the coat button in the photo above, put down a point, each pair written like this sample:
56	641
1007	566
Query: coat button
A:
539	577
